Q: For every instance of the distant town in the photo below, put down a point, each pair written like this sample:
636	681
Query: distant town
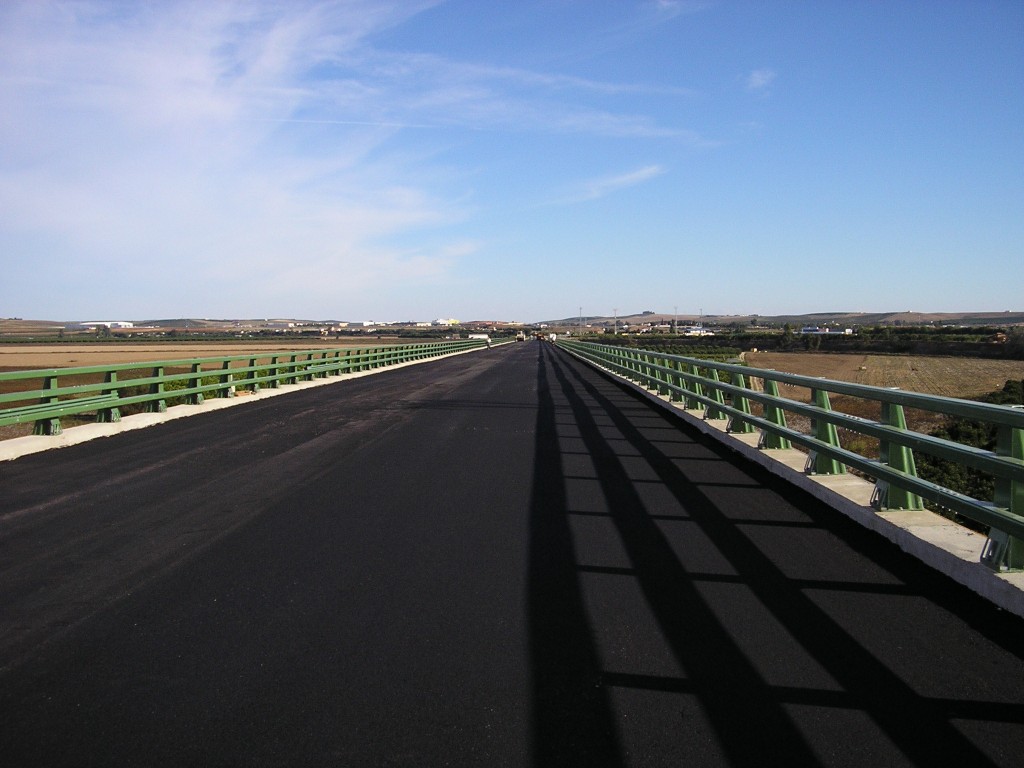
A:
644	322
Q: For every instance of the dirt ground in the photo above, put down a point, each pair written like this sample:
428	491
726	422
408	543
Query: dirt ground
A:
963	377
950	376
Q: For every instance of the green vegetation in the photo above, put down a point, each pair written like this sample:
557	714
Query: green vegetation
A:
979	434
670	345
975	341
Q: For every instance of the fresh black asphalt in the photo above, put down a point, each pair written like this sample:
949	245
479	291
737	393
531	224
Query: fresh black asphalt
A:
496	559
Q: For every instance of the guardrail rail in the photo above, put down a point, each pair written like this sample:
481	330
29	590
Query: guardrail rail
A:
106	389
724	391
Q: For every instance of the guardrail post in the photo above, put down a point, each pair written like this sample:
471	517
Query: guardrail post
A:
690	401
658	376
742	404
825	432
625	361
899	457
675	380
632	362
112	414
194	381
650	379
157	404
611	360
775	415
251	385
48	426
713	411
227	389
1003	551
275	373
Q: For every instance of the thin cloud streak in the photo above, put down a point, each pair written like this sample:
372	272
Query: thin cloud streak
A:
248	142
760	79
598	188
170	120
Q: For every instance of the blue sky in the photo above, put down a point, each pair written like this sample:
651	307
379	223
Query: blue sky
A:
510	160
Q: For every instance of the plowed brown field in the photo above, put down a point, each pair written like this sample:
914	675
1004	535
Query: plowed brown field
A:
950	376
963	377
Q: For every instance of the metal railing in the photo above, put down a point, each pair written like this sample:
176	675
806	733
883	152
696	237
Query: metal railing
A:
724	391
105	390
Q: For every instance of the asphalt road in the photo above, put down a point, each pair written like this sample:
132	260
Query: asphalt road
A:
497	559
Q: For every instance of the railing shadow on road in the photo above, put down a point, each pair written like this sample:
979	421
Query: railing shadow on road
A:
574	717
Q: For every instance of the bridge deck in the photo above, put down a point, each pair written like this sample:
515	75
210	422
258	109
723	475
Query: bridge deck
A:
497	559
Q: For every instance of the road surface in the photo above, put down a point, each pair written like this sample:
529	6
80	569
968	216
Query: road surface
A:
495	559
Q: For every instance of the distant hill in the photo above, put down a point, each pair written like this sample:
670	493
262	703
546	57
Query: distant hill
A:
814	318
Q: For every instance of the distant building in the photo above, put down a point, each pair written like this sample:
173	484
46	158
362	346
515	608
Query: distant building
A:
817	330
108	324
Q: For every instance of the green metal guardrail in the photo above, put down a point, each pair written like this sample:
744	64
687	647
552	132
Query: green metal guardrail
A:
698	383
98	389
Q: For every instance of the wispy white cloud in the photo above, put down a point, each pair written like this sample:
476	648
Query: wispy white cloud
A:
251	142
760	79
167	135
592	189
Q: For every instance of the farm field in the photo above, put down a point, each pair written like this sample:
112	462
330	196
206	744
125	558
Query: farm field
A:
962	377
949	376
